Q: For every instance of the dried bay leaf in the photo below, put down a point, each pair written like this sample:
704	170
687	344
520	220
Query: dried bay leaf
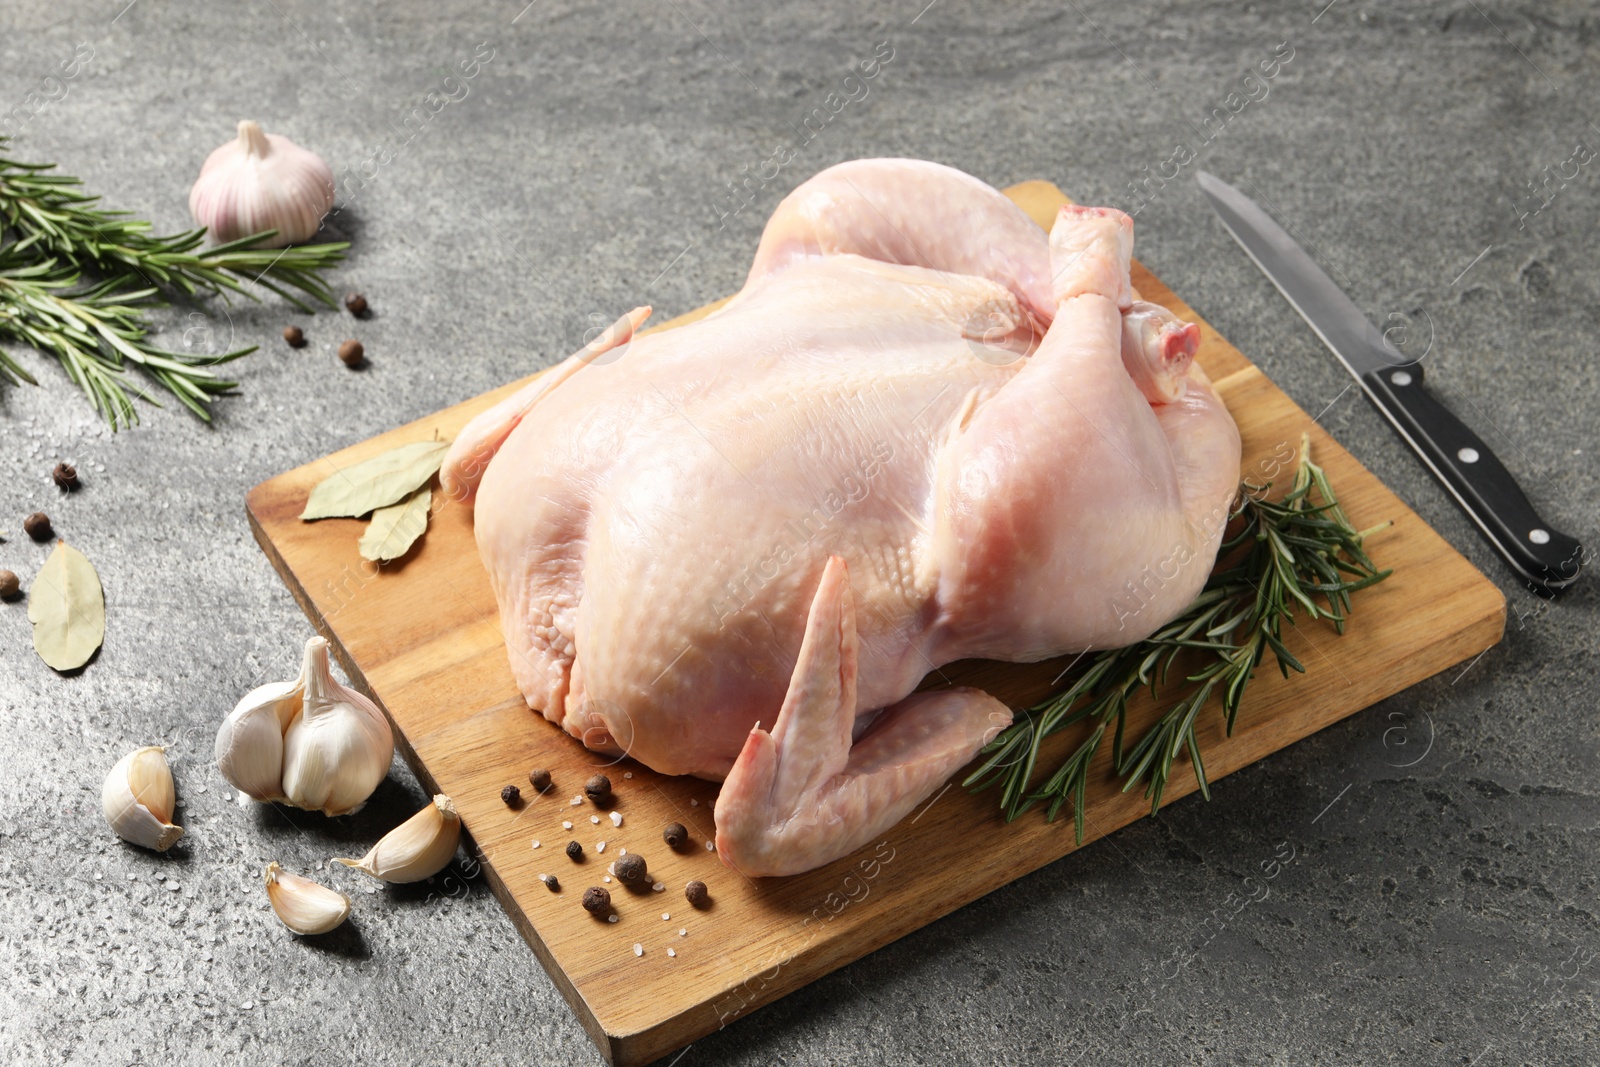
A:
376	483
67	608
394	529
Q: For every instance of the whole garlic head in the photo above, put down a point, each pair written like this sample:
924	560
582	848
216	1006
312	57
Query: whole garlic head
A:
339	748
137	799
310	742
262	181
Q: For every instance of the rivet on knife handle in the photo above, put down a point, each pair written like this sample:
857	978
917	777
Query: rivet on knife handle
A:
1480	483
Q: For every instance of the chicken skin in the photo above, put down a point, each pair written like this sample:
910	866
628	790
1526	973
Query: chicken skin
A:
923	431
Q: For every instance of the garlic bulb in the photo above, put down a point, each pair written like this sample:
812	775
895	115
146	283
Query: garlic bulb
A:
311	742
138	798
416	849
339	748
261	181
304	906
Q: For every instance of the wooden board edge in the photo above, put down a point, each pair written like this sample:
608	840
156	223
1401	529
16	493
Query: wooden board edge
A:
645	1046
508	901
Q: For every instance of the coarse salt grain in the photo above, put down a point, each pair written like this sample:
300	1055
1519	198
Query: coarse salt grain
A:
566	824
672	952
665	916
711	846
600	846
627	774
638	949
575	801
659	887
616	818
682	932
536	843
607	878
694	803
622	852
594	818
610	918
611	868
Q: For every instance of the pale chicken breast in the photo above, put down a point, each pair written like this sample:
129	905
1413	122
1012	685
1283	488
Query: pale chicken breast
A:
922	432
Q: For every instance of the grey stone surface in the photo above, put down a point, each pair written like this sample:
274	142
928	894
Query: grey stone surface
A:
1440	907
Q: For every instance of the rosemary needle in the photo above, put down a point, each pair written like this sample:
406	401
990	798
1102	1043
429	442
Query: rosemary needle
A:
1299	554
77	282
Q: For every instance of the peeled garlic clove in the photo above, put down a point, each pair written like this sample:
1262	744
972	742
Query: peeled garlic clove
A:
261	181
339	747
249	747
304	906
138	798
416	849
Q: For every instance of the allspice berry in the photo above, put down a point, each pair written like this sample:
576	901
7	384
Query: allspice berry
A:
511	796
38	526
630	869
552	883
10	585
695	893
598	788
352	353
65	476
596	901
675	835
539	778
294	336
356	303
574	851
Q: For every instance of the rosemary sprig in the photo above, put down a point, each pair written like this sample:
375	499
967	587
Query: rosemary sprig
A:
77	282
1299	555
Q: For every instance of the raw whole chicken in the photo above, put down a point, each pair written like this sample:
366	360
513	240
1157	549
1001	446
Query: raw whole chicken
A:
923	431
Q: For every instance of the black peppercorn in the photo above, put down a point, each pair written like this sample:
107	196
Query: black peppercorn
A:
38	527
695	893
539	778
352	353
574	850
552	883
10	585
65	476
596	901
675	835
356	303
294	336
598	788
511	795
630	869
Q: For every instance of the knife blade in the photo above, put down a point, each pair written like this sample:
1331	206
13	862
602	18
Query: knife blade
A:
1456	457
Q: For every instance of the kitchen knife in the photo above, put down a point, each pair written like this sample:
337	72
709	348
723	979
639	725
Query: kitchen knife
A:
1456	456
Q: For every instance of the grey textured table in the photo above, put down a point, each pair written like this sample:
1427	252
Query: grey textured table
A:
1440	907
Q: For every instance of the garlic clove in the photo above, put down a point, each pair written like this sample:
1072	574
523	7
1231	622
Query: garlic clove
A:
416	849
339	747
304	906
249	748
138	798
262	181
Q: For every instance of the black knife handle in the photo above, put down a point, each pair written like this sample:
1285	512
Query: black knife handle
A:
1480	483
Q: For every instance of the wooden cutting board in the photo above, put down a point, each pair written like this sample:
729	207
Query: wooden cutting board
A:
422	637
